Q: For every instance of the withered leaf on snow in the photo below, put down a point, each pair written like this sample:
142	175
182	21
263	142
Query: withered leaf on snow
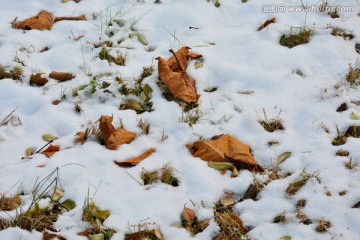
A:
38	79
267	23
173	73
136	160
145	234
43	21
80	137
188	215
51	236
225	148
51	150
61	76
9	204
114	137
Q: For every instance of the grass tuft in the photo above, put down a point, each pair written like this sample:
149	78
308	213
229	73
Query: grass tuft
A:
293	40
272	124
300	182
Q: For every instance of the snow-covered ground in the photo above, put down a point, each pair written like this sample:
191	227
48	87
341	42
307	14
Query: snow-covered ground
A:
303	86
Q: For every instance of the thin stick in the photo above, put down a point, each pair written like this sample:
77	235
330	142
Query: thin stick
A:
3	122
79	18
177	60
44	146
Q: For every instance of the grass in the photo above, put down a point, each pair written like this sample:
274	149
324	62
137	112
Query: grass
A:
36	218
322	226
143	231
190	116
300	182
15	73
293	40
164	174
352	131
272	124
105	55
231	226
353	75
340	32
95	217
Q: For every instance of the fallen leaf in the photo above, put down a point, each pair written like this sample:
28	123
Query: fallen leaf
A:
355	116
56	102
227	200
225	148
145	235
29	152
142	39
188	215
61	76
221	166
210	89
49	137
51	150
80	137
51	236
357	103
136	160
102	215
229	220
9	204
246	92
283	157
357	48
202	225
58	193
98	236
251	193
173	73
343	107
38	79
267	23
114	137
43	21
68	204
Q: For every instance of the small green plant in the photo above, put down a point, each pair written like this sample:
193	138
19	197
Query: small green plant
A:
95	217
295	186
94	84
105	55
190	116
293	40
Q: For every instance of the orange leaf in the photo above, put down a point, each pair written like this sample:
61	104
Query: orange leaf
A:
38	79
267	23
51	150
136	160
114	137
44	20
173	73
224	148
188	215
56	102
61	76
80	137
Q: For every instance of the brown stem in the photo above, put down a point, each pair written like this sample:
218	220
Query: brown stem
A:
44	146
177	60
80	18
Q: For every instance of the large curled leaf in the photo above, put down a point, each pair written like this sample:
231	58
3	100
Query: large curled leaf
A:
225	148
43	21
173	73
114	137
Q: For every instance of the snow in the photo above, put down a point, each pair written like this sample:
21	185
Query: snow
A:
242	59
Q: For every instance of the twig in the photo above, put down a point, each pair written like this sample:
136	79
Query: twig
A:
44	146
79	18
177	60
5	120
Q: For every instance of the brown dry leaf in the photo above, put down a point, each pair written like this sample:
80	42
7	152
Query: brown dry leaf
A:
202	225
41	166
227	200
43	21
225	148
61	76
136	160
246	92
229	219
80	137
251	192
357	48
38	79
51	150
173	73
9	204
114	137
267	23
56	102
188	215
51	236
144	235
